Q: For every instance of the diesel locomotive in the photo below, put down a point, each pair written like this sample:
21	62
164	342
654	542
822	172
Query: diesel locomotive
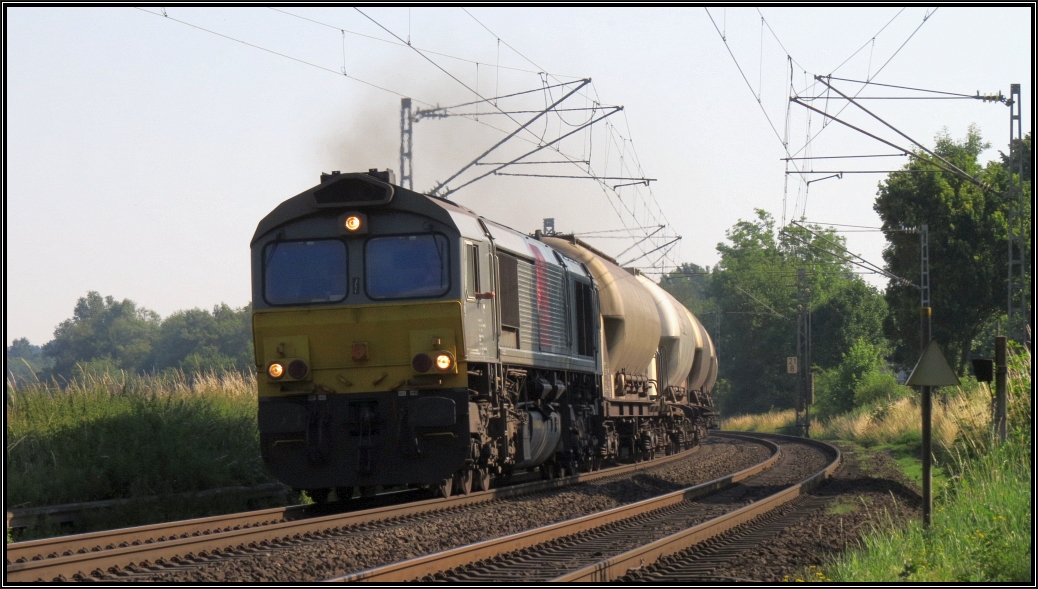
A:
402	339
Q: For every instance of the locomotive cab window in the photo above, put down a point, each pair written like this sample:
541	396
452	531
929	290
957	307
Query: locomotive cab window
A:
304	272
407	266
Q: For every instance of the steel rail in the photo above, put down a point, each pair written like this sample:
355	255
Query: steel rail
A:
59	546
96	553
24	517
618	566
434	563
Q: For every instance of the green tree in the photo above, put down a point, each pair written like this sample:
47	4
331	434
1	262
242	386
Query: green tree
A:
853	311
690	285
103	328
967	245
754	287
26	361
197	340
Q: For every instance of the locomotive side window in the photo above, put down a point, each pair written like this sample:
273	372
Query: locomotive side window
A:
304	272
508	295
407	266
585	308
471	269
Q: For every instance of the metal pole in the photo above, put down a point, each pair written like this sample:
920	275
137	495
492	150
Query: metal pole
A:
927	407
1000	417
926	404
406	144
803	411
925	334
1019	286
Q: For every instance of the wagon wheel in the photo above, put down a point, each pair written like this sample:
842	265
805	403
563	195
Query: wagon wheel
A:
445	487
463	481
572	468
483	479
557	470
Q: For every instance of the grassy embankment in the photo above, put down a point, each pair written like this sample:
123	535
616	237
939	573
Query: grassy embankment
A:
982	525
127	436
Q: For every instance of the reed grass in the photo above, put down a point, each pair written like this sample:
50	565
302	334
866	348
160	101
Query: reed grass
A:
121	435
771	422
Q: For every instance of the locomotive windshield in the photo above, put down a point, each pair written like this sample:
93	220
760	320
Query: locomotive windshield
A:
407	266
301	272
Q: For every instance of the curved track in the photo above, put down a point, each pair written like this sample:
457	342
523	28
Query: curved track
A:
151	548
609	545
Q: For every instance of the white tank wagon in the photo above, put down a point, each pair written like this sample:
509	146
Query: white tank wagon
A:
654	346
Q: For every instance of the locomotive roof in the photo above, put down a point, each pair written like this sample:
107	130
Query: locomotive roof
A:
305	204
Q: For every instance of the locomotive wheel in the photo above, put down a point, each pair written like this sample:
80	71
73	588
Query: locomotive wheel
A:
344	493
572	468
445	487
463	481
483	479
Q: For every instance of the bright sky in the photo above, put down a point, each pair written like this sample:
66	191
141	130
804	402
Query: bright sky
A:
141	152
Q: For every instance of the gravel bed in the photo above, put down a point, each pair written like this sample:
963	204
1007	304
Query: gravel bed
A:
547	561
868	491
337	555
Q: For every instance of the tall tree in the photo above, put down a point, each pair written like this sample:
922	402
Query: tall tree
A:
754	287
103	328
967	245
24	360
690	285
196	339
854	311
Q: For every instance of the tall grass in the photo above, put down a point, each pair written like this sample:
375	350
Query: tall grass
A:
121	436
961	415
981	532
771	422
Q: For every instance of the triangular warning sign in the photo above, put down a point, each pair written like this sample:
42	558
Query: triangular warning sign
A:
932	370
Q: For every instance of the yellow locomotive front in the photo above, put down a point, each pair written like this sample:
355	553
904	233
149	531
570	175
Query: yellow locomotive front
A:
359	338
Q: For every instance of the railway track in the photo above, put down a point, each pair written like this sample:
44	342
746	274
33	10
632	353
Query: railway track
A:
701	562
620	542
144	549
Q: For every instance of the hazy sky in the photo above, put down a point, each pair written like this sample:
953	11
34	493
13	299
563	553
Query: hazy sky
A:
141	152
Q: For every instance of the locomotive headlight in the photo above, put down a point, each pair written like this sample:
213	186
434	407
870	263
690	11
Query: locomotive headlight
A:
444	362
353	223
421	363
275	370
297	369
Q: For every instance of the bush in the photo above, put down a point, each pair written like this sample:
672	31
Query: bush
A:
860	379
879	387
